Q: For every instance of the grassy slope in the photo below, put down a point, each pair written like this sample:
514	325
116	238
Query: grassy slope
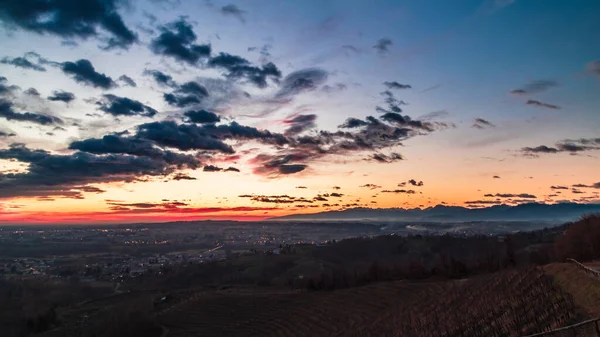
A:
584	289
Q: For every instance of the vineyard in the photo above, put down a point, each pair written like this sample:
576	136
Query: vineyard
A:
510	303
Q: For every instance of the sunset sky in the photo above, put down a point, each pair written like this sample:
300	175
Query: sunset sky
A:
160	110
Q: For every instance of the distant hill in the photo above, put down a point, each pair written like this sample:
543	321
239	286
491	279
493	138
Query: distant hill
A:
441	213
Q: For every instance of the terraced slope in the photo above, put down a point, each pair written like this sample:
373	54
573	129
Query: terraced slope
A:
584	289
337	313
510	303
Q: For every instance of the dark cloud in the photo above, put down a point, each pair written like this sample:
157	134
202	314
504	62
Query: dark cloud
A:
186	94
123	106
596	185
70	19
350	49
382	158
535	87
212	168
399	191
128	81
176	40
370	186
22	62
115	144
541	104
302	187
206	137
7	134
496	177
63	175
231	169
558	187
510	195
301	81
62	96
160	77
299	124
415	183
382	46
32	92
183	137
480	123
181	176
202	117
6	89
83	72
396	85
238	68
336	188
567	145
235	11
483	202
7	112
291	168
351	123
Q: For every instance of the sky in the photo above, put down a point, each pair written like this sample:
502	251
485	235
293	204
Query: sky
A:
160	110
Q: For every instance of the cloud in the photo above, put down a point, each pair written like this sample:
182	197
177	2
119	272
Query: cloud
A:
176	40
301	81
542	105
123	106
336	188
593	68
396	85
181	176
202	117
382	158
399	191
231	169
7	112
160	77
83	72
299	124
567	145
32	92
337	87
291	168
63	175
186	94
301	187
206	137
496	177
382	46
510	195
22	62
183	137
415	183
352	123
7	134
238	68
559	187
370	186
596	185
483	202
212	168
535	87
6	89
62	96
235	11
480	123
66	19
127	81
115	144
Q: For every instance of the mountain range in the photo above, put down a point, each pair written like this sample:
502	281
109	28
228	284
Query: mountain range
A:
441	213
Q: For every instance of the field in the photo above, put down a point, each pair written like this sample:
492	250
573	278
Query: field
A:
509	303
